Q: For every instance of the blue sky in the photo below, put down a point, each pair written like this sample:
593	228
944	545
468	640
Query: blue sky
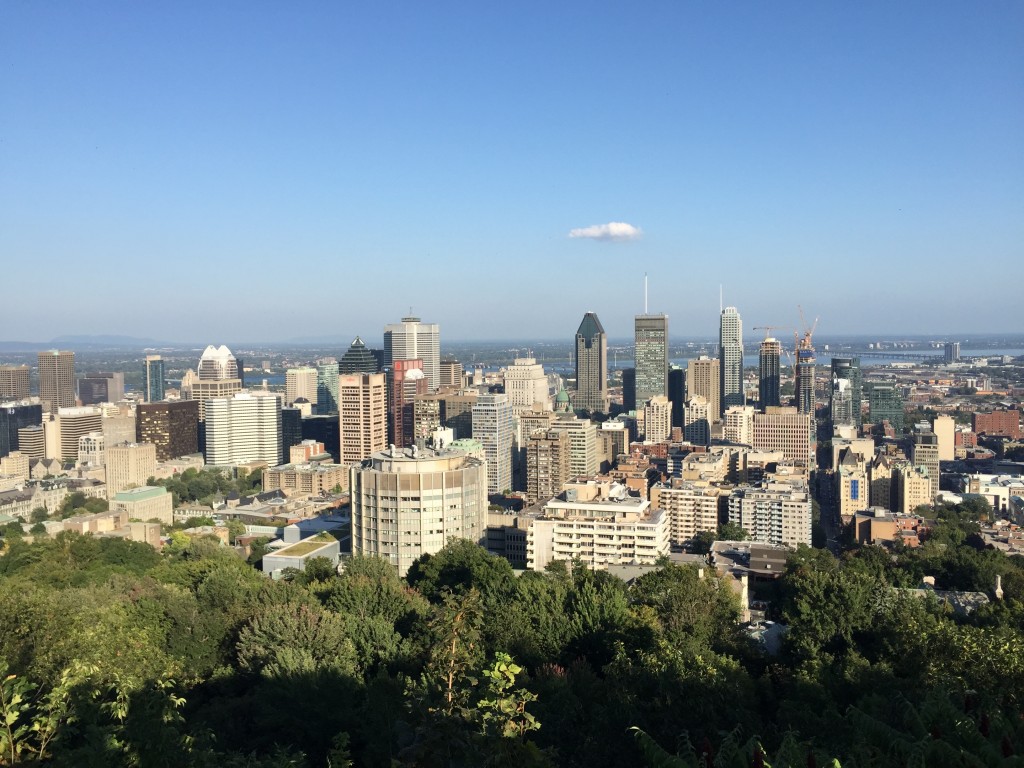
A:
259	171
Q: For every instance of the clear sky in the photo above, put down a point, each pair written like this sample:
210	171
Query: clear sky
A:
194	171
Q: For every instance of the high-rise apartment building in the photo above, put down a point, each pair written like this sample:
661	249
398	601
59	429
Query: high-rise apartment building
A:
738	426
583	456
651	356
443	495
691	506
697	418
492	427
362	415
412	339
591	366
243	428
15	416
96	388
172	426
770	378
154	380
129	465
773	513
327	372
547	464
217	363
56	380
951	352
300	382
730	356
844	403
944	427
358	359
14	382
405	382
657	419
703	377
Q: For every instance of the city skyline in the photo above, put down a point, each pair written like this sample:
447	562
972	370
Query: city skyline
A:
457	154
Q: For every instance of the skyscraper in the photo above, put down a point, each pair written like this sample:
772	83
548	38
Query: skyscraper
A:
217	364
96	388
651	354
405	380
591	366
13	417
327	372
172	426
770	377
492	426
300	383
730	356
845	398
415	340
153	378
14	382
526	384
362	415
243	428
703	377
804	377
56	379
358	359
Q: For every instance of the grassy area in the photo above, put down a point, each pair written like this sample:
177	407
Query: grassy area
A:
302	547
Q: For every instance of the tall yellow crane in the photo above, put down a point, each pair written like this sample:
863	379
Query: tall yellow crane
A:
806	341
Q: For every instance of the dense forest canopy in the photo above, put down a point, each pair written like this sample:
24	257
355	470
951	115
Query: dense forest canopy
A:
115	654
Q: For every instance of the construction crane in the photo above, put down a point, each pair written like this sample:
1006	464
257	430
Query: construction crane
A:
806	342
767	329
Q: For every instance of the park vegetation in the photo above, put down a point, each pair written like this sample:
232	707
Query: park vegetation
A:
112	653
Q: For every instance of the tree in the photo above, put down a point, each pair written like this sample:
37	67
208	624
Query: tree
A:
296	639
39	514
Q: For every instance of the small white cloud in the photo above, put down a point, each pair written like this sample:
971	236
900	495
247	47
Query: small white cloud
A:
613	230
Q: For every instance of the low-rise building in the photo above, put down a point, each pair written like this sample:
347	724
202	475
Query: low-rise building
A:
298	554
148	504
312	478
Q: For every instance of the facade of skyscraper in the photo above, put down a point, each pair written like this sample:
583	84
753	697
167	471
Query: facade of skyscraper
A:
730	356
451	373
362	415
651	356
300	383
951	352
845	398
56	379
15	416
172	426
526	384
358	359
628	389
412	339
677	393
769	380
704	378
153	379
657	419
591	366
14	382
405	380
243	428
804	380
217	364
492	427
96	388
327	387
129	465
885	404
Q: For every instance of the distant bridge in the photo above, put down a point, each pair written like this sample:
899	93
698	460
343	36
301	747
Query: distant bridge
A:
893	355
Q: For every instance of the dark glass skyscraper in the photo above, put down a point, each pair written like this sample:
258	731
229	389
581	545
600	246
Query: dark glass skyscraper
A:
845	392
591	366
153	378
770	377
15	416
358	359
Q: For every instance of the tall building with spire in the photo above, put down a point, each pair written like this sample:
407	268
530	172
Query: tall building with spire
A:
651	355
730	357
591	365
412	339
769	380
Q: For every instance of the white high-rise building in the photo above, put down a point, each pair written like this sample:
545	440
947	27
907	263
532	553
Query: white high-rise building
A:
492	427
583	458
730	355
243	428
300	382
217	363
692	507
129	465
414	340
697	419
774	512
526	384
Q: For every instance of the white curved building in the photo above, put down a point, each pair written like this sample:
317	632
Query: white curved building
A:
409	502
217	363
